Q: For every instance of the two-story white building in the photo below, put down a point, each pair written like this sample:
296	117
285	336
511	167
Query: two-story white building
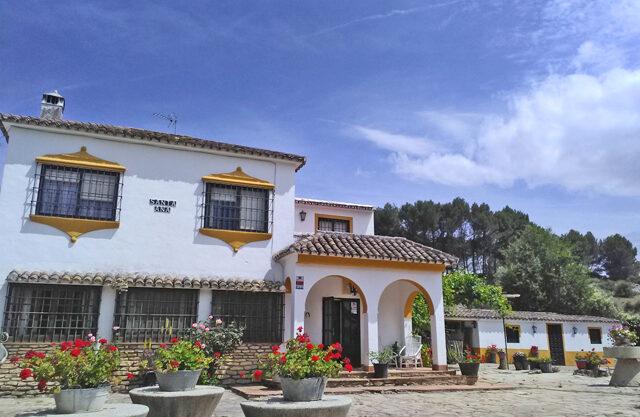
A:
105	226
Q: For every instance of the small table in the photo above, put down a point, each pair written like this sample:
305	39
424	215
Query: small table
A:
109	410
627	370
328	406
198	402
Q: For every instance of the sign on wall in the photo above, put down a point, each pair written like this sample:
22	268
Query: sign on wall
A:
299	283
162	206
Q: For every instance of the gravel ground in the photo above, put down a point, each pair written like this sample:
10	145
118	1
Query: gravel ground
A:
559	394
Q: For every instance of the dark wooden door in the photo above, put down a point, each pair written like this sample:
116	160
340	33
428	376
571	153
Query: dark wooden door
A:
556	343
341	323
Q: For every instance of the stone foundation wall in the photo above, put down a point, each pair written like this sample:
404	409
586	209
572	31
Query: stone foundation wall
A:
237	369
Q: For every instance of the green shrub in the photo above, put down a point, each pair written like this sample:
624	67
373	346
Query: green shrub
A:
623	289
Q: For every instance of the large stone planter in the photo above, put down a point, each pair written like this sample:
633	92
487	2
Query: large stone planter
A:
198	402
329	406
627	370
110	410
69	401
178	380
469	369
306	389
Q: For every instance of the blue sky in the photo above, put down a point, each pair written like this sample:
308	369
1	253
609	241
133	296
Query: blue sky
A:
535	105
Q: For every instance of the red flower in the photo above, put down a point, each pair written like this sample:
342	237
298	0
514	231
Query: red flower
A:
337	346
53	344
30	354
26	373
346	360
174	363
275	348
198	344
75	352
42	385
15	359
283	359
327	357
40	355
130	376
217	354
163	345
336	355
113	348
320	346
348	367
64	346
309	346
174	340
241	374
300	329
315	358
103	341
257	374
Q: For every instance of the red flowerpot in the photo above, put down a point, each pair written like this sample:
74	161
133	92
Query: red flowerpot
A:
581	364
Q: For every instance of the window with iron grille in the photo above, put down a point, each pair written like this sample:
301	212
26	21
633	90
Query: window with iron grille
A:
155	314
231	207
595	335
77	193
513	334
51	313
261	313
334	225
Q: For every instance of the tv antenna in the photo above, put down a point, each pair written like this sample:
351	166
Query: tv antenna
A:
171	118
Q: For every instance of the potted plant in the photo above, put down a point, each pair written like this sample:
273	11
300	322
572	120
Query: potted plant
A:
178	365
82	370
381	362
581	360
469	363
544	362
502	356
520	361
533	351
304	367
534	362
491	353
593	360
622	336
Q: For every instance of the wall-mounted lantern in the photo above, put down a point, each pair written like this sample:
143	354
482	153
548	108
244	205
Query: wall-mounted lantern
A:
303	215
353	290
575	330
534	329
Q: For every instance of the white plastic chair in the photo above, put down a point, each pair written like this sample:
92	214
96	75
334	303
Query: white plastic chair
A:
411	353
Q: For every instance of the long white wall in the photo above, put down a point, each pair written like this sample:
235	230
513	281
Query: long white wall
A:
145	241
362	219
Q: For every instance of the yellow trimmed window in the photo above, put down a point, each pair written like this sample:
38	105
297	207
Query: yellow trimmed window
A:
329	223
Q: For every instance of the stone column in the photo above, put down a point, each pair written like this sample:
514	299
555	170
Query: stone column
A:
107	312
438	338
372	340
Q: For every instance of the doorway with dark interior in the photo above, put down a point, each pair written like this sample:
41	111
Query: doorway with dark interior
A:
341	323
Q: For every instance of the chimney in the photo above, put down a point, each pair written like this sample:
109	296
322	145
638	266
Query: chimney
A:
52	106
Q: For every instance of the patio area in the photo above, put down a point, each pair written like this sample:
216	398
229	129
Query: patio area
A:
559	394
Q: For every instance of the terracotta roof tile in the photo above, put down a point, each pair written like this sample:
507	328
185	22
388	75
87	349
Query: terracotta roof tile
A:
147	135
366	247
478	313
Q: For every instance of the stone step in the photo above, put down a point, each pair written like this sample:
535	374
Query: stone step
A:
393	373
393	380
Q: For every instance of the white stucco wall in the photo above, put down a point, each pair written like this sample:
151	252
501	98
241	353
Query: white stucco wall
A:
145	241
362	219
391	313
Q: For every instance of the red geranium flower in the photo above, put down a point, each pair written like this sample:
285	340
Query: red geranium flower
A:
346	360
283	359
64	346
336	355
320	346
315	358
275	348
76	352
198	344
337	346
348	367
174	340
15	359
163	345
327	357
42	385
103	341
300	329
130	376
217	354
309	346
174	363
241	374
26	373
257	374
113	348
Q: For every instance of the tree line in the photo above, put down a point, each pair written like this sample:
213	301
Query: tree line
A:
550	272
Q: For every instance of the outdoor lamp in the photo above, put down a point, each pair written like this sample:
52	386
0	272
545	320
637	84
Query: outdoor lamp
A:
534	329
575	330
303	215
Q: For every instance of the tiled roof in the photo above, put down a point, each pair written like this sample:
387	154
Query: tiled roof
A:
478	313
337	204
125	280
148	136
349	245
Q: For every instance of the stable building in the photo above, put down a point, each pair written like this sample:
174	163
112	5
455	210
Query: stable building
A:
107	227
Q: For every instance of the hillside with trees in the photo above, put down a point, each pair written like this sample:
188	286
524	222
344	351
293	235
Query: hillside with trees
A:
573	273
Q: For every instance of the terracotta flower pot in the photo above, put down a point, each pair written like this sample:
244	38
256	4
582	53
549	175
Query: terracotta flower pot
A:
581	364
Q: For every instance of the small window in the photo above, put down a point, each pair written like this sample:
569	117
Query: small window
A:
77	193
51	313
155	314
231	207
513	334
595	335
326	224
261	313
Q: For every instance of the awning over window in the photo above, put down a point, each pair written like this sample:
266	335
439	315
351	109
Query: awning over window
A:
125	280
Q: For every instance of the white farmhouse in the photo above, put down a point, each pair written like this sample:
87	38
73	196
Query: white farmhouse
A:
147	232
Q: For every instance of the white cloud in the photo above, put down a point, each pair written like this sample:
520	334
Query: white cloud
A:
579	131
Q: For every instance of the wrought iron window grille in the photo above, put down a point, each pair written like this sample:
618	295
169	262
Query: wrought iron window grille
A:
232	207
333	225
261	313
51	313
79	193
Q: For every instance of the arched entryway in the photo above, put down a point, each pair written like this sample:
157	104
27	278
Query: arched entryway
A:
335	311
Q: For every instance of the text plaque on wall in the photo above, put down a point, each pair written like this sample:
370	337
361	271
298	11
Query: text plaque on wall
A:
162	206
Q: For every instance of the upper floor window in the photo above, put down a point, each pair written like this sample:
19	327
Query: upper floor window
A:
333	224
232	207
83	193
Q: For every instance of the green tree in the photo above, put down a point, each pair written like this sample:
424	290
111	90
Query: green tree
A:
584	247
387	221
618	258
471	290
541	267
